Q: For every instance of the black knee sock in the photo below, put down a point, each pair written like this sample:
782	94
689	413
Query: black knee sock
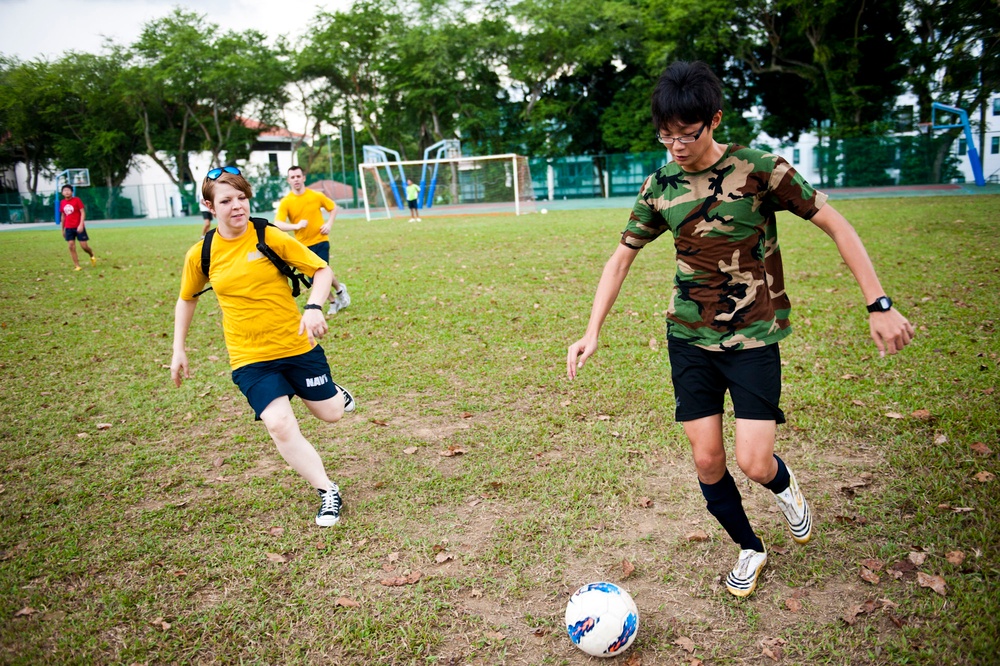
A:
723	500
781	480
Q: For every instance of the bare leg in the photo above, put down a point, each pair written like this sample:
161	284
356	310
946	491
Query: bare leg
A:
281	424
705	435
330	410
72	253
755	449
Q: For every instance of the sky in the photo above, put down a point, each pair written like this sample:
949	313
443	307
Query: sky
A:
48	28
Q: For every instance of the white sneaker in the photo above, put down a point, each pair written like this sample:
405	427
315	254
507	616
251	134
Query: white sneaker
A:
742	580
342	298
333	308
796	510
419	220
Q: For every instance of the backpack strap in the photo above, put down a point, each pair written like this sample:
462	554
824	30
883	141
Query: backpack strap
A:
206	258
298	279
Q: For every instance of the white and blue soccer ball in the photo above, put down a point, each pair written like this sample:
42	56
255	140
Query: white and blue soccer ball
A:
602	619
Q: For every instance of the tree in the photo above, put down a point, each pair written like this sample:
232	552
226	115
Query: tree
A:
196	89
953	58
28	93
98	130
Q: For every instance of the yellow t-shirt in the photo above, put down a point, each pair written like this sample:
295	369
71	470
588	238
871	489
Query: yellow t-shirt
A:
306	206
260	319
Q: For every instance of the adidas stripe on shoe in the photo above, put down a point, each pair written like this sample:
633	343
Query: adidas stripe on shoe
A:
796	510
742	580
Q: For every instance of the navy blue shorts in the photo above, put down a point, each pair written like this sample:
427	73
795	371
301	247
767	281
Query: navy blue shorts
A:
412	203
71	234
306	375
701	379
322	250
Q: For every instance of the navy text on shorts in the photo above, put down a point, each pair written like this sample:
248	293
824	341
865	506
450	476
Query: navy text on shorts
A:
306	375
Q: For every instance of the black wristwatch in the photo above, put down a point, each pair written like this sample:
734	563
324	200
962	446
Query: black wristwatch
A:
313	306
881	304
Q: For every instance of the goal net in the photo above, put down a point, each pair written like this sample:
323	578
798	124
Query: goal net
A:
449	186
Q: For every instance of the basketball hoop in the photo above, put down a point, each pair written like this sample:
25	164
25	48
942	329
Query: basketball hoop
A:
924	128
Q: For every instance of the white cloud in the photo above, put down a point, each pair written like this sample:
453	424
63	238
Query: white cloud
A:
49	28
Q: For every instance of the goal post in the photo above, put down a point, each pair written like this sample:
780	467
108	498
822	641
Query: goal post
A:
460	185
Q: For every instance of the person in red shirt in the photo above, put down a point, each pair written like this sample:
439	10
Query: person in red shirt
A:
73	218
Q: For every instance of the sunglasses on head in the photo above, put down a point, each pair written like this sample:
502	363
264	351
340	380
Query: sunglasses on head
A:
214	174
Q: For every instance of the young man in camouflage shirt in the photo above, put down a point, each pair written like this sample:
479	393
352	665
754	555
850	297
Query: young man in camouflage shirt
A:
729	309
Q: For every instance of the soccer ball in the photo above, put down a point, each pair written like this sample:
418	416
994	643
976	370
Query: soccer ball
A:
544	211
602	619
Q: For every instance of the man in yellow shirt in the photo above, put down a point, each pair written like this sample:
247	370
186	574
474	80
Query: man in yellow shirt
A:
301	211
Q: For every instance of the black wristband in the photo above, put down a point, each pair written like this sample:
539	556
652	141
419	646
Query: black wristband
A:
313	306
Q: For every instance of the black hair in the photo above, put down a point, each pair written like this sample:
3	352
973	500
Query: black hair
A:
686	92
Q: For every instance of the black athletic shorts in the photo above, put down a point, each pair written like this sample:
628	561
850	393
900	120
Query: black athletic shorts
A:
701	379
306	375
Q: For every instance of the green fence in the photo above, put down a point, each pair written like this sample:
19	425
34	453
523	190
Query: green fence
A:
101	203
867	162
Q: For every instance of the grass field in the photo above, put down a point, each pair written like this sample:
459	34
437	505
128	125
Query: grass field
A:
153	525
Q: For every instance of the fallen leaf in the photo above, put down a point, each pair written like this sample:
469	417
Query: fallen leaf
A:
410	450
566	403
962	509
983	477
981	449
645	502
917	558
441	558
849	376
634	659
697	535
941	439
180	573
218	462
653	344
467	415
27	611
922	414
393	557
793	604
276	558
161	623
346	603
774	655
869	576
873	564
851	616
380	423
276	531
213	358
476	594
859	403
935	583
955	557
627	568
402	580
603	417
103	426
453	450
685	643
541	632
894	415
83	435
494	636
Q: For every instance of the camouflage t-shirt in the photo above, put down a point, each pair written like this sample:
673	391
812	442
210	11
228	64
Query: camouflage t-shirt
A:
729	290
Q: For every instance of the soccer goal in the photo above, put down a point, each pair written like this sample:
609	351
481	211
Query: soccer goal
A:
459	186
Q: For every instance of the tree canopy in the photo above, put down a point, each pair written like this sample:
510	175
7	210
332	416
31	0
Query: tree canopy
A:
539	77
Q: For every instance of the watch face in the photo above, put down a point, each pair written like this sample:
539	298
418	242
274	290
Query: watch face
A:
884	303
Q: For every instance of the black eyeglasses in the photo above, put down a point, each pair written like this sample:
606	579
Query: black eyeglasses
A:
214	174
687	138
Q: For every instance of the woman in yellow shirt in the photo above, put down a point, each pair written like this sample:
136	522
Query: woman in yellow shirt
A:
272	348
